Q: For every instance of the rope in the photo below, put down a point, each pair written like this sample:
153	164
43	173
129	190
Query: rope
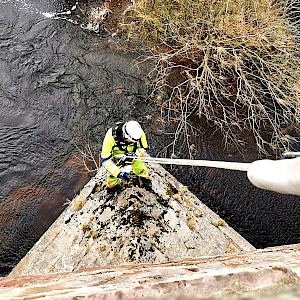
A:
191	162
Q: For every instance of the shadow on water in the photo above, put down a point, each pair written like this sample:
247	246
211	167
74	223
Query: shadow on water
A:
61	85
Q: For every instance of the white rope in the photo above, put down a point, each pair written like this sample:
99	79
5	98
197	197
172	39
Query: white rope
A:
191	162
281	176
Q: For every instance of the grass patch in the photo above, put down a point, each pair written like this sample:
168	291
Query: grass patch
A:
170	192
191	223
230	249
78	202
234	62
218	223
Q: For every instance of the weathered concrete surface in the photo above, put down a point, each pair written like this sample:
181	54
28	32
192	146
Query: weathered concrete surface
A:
135	225
269	269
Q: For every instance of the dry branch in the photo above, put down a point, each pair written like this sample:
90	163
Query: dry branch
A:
236	63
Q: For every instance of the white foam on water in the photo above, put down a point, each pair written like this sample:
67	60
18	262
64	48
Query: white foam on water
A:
48	15
59	16
68	12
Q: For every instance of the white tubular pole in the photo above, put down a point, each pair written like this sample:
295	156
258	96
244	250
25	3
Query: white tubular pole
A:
198	163
281	176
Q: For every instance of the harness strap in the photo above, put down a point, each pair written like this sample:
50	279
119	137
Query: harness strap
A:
114	134
118	143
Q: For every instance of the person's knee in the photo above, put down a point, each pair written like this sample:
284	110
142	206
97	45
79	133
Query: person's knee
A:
143	171
112	181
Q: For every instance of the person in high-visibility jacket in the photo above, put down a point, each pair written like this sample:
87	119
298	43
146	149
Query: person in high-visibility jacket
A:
124	138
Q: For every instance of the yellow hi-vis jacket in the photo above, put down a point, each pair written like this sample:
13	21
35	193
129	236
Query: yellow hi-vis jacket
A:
112	146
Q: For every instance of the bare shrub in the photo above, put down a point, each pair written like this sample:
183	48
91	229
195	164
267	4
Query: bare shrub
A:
235	62
88	157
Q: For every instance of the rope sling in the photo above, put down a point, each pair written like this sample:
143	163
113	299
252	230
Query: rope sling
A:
281	176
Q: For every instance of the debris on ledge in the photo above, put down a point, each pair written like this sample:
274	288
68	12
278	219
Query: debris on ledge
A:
133	226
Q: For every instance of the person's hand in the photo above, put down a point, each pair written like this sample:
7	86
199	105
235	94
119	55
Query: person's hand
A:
124	176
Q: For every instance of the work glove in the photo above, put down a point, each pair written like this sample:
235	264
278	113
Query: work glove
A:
124	176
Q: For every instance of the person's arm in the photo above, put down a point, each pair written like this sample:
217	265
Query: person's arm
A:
106	154
143	146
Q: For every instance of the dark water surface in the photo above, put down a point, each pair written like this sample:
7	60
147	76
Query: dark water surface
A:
61	85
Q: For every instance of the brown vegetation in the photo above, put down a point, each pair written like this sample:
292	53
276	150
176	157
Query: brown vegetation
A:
235	62
88	157
218	223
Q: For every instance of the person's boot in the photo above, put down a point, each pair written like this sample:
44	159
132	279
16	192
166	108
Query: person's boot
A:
111	191
147	184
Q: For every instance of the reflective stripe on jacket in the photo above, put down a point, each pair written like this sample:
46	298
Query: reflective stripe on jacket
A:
110	149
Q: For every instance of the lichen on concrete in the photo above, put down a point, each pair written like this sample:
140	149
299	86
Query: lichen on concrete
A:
134	225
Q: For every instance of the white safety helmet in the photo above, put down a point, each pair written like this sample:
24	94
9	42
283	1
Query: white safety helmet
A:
132	131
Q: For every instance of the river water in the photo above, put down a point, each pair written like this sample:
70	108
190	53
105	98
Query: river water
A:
62	85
